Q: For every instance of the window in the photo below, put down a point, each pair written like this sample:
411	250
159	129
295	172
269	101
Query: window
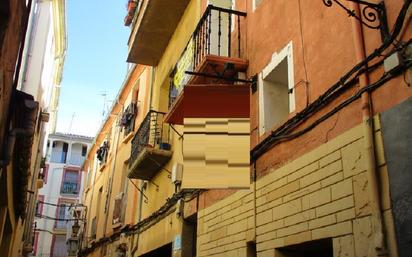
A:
39	206
84	150
59	247
103	152
62	211
70	183
45	173
276	94
127	120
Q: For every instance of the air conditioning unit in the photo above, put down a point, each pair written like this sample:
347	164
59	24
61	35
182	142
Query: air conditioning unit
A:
177	173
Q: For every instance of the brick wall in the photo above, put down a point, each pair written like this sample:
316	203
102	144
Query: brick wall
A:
322	194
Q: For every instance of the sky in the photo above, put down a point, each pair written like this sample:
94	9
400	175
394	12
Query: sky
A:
95	63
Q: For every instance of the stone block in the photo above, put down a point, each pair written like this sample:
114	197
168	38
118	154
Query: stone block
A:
302	192
287	209
334	230
335	206
271	244
361	195
218	233
284	190
321	173
332	179
353	158
270	226
265	237
323	221
292	229
264	217
319	197
298	238
332	157
267	253
237	227
300	217
344	246
362	230
345	215
342	189
303	171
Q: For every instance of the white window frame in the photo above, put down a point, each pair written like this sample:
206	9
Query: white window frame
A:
277	58
255	5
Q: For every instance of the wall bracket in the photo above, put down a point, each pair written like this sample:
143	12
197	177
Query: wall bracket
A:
372	15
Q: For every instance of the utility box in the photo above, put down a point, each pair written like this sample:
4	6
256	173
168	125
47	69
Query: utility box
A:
177	173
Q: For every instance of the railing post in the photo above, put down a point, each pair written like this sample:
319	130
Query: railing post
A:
229	33
238	36
219	32
210	28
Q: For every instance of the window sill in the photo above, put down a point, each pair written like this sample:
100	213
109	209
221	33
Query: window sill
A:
127	138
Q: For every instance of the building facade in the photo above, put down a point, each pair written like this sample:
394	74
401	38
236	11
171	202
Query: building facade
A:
33	40
326	99
61	193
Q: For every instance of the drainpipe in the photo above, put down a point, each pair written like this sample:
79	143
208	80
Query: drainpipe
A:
367	124
139	216
152	75
253	239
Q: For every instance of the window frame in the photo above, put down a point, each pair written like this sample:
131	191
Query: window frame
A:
276	60
79	175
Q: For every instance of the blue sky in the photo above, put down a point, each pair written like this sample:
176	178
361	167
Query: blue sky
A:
95	62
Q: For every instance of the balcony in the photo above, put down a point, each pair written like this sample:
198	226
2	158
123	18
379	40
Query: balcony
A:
211	70
76	160
155	22
69	188
150	147
58	156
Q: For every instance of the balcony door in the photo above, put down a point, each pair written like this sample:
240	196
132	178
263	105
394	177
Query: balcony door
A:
70	184
219	44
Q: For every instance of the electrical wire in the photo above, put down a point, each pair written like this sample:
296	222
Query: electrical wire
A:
344	82
41	216
70	205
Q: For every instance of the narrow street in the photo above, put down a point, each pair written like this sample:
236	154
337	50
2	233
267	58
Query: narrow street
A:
205	128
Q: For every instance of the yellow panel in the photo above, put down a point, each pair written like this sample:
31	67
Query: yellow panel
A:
216	153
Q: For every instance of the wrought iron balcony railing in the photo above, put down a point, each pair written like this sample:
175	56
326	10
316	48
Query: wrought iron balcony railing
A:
70	187
218	34
152	133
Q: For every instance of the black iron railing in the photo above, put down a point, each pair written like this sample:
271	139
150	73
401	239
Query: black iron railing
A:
151	133
218	33
69	187
215	32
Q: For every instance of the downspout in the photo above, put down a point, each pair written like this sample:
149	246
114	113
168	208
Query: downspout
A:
368	130
254	204
139	216
151	87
